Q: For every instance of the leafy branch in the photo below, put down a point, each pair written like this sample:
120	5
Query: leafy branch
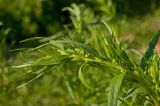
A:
109	56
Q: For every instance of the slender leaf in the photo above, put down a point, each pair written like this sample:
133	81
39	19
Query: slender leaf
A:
39	75
81	77
115	85
84	46
129	92
149	51
108	27
31	39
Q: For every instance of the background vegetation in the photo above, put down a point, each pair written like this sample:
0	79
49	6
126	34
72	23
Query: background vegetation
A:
134	22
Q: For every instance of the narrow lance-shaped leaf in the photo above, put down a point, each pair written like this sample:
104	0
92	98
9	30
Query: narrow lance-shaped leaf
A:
108	27
83	46
70	91
149	51
115	85
81	77
39	75
129	92
31	39
39	72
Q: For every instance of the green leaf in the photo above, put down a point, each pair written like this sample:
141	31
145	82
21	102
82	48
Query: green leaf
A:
129	92
20	49
38	71
43	62
150	51
84	47
38	47
31	39
82	78
115	85
39	75
108	27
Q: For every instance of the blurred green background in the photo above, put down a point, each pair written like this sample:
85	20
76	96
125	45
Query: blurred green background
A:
135	21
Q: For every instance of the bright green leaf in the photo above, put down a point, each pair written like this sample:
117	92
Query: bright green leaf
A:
115	85
150	51
82	78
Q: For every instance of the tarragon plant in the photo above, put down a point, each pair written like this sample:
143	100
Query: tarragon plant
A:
108	74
